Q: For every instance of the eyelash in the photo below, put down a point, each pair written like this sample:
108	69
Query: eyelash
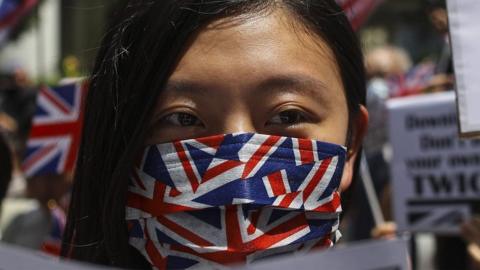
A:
180	116
298	115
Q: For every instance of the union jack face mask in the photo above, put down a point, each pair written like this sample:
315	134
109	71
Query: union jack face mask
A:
233	199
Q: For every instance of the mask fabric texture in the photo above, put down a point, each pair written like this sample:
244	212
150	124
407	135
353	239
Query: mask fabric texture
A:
234	198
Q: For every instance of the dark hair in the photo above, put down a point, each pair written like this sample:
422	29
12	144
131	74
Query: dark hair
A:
137	56
431	5
6	167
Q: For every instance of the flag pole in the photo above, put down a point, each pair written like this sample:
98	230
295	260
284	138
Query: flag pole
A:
372	197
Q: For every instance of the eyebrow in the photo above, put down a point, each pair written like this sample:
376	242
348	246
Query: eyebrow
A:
186	87
290	83
294	84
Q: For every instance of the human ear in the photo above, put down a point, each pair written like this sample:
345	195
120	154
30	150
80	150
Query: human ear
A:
359	129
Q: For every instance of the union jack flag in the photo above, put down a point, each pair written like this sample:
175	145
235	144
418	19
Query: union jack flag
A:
12	10
233	198
56	129
412	82
11	13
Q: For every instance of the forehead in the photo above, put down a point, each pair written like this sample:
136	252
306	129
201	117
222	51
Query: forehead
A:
240	52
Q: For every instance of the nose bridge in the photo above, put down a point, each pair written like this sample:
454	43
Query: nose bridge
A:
237	120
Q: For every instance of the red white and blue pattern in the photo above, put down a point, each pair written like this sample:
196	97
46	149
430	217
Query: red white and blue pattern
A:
56	128
233	198
12	12
413	82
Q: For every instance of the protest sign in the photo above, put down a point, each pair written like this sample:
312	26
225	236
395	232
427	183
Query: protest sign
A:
22	259
436	175
368	255
465	37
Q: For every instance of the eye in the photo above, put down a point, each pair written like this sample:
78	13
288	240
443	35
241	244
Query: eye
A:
288	117
181	119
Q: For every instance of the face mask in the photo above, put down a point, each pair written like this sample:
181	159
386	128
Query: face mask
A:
234	199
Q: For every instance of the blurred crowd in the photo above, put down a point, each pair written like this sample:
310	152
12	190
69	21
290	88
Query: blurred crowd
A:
32	212
392	74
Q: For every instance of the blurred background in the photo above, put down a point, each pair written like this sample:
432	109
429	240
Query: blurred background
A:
51	42
60	38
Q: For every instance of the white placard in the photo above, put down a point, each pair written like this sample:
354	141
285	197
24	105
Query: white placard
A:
436	175
369	255
22	259
464	21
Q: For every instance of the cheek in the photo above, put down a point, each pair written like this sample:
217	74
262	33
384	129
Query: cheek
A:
335	122
328	135
332	129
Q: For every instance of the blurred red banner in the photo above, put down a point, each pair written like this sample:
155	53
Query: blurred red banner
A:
358	11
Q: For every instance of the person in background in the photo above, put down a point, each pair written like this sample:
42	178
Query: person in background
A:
471	234
442	79
429	76
437	13
17	106
17	100
41	228
381	64
451	251
6	167
8	126
32	216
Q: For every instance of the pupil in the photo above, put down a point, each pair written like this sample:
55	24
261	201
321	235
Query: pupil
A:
186	119
289	117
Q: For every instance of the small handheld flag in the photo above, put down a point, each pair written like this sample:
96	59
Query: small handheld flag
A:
56	129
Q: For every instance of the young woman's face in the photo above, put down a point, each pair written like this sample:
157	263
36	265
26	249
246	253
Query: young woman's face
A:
263	74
